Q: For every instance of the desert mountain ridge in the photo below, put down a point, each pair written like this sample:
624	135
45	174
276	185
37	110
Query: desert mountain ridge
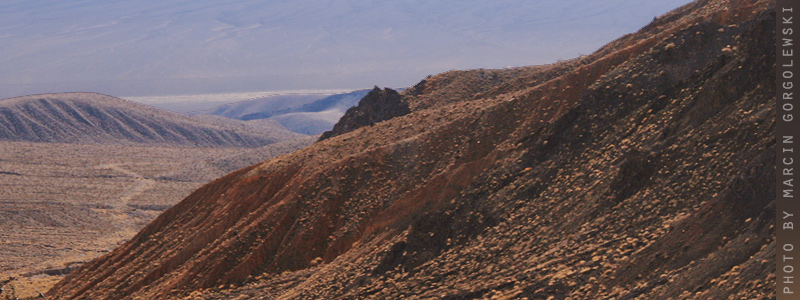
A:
634	172
91	118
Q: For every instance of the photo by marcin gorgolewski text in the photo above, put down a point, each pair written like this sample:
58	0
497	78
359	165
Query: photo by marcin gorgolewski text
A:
787	205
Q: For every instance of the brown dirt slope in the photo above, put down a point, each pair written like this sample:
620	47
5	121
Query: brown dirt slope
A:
89	118
640	171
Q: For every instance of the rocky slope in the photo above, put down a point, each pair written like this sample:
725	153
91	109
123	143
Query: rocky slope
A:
90	118
641	171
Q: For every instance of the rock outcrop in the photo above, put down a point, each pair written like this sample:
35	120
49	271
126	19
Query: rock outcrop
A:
378	105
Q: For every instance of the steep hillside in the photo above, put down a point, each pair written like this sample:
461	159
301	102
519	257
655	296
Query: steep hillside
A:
635	172
100	119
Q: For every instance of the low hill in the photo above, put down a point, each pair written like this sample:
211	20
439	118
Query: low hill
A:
91	118
642	171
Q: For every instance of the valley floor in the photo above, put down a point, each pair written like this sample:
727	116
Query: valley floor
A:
64	204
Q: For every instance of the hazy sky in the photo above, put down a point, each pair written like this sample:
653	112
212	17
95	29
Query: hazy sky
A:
144	47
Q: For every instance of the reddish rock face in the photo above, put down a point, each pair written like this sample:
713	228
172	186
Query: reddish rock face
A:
642	170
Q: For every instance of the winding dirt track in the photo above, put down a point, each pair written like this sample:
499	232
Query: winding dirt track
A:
142	184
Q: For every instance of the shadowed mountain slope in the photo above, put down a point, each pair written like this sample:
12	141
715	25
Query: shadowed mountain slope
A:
90	118
642	170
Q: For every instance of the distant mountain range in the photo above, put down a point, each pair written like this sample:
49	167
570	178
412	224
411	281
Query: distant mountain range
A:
309	114
101	119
